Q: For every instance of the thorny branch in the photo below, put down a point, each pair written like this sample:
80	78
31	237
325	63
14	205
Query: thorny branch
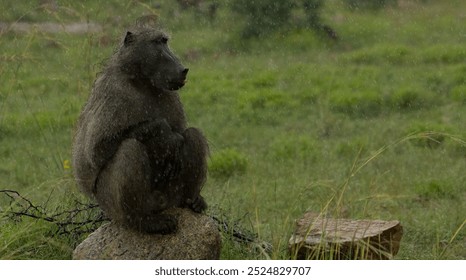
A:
85	218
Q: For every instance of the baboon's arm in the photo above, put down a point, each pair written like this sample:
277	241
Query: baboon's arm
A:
144	131
104	149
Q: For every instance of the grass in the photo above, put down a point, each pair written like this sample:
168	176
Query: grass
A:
369	127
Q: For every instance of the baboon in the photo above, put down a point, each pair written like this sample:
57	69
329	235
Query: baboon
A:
132	150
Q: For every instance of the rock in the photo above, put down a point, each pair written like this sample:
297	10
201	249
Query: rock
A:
197	237
320	237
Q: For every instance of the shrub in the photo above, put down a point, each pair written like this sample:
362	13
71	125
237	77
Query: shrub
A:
226	163
265	16
262	16
312	10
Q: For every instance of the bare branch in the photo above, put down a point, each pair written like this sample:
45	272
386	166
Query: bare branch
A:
85	218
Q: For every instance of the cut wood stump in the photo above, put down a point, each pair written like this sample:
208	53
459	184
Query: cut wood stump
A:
318	237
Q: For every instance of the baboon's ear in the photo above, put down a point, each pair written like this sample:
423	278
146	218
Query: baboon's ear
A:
129	38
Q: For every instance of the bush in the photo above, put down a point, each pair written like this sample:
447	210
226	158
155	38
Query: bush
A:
312	10
265	16
226	163
262	16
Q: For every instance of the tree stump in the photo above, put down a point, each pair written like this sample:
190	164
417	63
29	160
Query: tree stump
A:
317	237
197	237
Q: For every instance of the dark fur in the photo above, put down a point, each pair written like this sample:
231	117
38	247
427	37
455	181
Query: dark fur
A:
132	151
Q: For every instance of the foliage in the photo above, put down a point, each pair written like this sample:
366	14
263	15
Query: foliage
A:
263	17
312	10
226	163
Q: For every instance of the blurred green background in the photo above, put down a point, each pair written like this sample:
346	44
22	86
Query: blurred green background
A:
351	108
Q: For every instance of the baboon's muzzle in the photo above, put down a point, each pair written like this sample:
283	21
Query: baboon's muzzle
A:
174	85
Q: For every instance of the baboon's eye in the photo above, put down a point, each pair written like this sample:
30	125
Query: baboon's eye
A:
161	40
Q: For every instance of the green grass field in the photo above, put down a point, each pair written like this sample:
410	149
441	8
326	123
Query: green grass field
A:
372	126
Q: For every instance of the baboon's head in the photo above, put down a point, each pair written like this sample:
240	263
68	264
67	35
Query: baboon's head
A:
145	56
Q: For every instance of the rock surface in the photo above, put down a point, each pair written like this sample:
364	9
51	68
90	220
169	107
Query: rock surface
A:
197	237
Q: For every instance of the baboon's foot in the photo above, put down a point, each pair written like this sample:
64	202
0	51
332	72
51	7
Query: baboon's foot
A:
197	205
